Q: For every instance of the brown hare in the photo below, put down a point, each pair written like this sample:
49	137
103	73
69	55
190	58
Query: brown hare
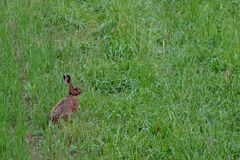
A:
68	105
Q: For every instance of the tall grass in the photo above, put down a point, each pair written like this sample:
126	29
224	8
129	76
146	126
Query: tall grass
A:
152	72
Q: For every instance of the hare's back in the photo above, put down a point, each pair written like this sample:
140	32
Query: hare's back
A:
61	107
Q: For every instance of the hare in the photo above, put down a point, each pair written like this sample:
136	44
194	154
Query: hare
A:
68	105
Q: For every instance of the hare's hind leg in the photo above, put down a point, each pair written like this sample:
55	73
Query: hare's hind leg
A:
54	120
66	117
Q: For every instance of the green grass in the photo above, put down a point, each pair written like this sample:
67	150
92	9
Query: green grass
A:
152	72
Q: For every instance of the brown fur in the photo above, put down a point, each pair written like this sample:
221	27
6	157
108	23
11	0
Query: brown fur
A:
68	105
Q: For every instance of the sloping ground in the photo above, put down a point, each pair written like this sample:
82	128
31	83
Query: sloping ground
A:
152	72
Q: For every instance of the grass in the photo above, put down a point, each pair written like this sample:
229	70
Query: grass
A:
152	72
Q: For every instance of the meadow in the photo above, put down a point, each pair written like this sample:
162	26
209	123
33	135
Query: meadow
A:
152	74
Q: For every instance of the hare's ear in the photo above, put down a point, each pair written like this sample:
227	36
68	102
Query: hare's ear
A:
67	79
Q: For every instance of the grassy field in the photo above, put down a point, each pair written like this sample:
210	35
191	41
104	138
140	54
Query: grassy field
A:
152	73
